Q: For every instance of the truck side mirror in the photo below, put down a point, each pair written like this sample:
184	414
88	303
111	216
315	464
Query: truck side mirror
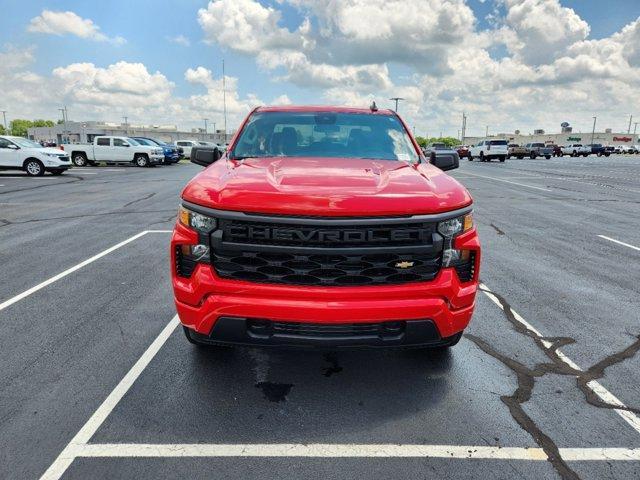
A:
445	161
205	156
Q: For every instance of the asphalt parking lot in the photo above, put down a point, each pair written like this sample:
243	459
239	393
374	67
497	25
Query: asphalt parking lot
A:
98	383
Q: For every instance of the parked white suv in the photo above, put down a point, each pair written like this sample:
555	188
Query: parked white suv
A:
489	149
17	153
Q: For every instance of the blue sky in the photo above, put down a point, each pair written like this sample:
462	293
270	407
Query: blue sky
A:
262	73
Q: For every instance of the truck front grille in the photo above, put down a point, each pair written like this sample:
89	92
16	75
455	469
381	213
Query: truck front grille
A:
327	269
326	254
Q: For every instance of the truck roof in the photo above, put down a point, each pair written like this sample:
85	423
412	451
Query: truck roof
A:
323	108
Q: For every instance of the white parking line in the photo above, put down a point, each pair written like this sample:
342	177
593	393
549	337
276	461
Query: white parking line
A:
60	465
507	181
321	450
619	242
77	267
596	387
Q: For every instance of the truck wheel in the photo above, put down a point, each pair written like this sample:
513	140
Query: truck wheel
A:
574	154
482	159
79	159
533	156
503	158
141	161
34	168
585	155
470	157
547	157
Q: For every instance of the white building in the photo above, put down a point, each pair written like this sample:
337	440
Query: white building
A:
84	132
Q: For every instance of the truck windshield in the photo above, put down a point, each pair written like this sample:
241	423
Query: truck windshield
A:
325	134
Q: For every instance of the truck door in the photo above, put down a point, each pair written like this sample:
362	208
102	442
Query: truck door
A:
102	149
122	150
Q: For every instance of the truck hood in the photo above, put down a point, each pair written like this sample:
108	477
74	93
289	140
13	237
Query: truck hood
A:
326	187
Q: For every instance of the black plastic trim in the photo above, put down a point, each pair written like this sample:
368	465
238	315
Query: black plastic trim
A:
296	220
239	331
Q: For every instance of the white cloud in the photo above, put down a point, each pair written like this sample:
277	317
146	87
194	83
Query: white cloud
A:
544	29
281	100
63	23
180	40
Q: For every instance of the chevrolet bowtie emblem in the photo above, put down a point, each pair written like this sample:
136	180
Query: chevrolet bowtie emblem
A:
404	264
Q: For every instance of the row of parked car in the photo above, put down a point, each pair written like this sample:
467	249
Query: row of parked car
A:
18	153
490	149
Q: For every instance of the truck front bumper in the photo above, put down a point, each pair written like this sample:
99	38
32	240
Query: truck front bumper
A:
218	310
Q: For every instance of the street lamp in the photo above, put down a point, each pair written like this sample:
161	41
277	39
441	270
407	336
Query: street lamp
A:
4	115
396	99
205	128
630	120
593	131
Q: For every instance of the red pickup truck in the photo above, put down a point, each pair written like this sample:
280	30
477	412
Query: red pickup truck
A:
324	227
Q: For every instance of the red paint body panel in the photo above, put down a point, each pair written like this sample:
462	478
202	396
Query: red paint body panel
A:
325	187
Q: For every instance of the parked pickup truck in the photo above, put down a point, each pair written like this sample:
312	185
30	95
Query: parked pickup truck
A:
539	150
517	151
576	149
326	227
17	153
113	149
599	149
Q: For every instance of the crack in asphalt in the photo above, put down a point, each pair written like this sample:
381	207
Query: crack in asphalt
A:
35	187
146	197
527	377
497	229
87	215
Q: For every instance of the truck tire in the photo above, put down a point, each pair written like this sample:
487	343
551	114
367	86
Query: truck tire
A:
141	160
470	158
533	156
574	154
547	157
33	167
79	159
482	159
503	158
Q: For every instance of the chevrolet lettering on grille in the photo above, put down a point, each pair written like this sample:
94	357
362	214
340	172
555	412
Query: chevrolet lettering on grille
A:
318	235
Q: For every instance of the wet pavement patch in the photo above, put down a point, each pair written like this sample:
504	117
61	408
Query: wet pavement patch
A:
275	392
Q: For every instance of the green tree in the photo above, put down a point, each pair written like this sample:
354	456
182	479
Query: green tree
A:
422	141
19	126
2	132
448	141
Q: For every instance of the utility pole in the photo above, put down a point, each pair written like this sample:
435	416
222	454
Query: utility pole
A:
486	134
126	125
593	131
635	127
630	119
224	101
205	128
4	115
396	99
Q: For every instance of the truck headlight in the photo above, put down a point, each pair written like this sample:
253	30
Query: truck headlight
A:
450	229
197	221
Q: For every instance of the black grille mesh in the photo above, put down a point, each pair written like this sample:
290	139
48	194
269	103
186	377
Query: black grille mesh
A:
335	270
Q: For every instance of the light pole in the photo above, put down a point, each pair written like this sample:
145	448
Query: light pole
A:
64	123
630	119
635	127
486	133
593	131
4	115
396	99
205	128
464	126
224	101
